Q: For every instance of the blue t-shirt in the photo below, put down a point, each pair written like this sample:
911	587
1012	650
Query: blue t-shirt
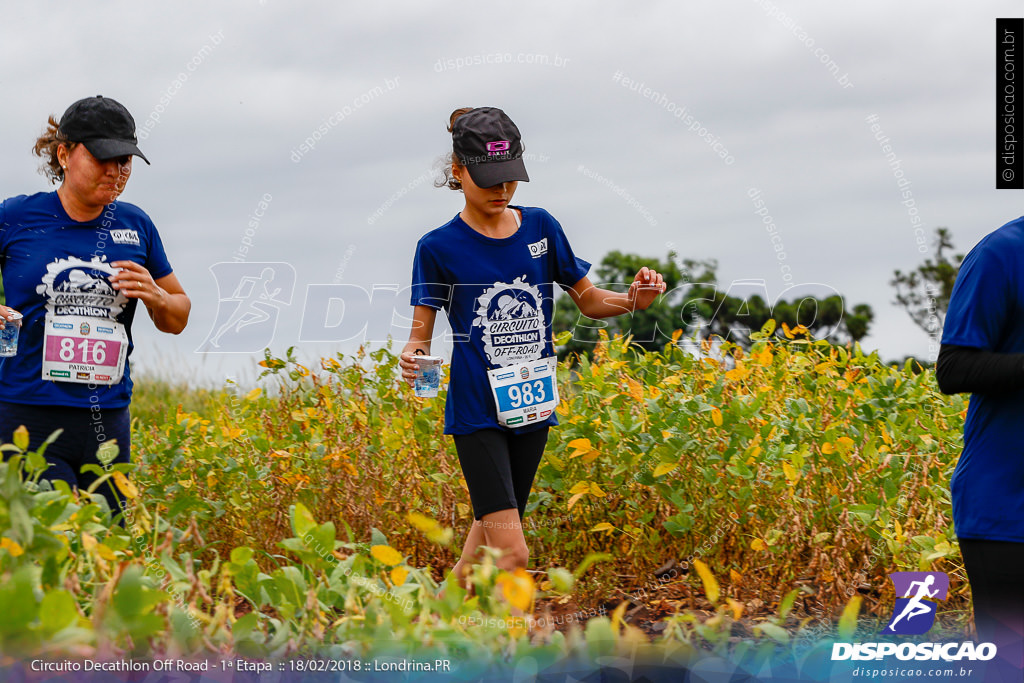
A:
53	264
986	311
493	291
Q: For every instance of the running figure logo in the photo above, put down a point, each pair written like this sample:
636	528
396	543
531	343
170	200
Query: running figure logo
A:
247	317
916	602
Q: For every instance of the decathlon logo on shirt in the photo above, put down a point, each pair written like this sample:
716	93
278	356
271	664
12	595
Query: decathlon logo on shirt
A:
73	287
538	249
512	318
125	236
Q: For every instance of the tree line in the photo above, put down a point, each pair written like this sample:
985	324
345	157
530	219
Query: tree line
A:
696	303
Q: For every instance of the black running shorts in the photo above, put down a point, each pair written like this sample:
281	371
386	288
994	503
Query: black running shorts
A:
499	467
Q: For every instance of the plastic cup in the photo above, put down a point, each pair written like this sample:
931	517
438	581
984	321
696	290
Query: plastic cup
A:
9	336
428	376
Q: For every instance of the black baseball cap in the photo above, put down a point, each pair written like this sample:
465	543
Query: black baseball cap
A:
103	125
488	144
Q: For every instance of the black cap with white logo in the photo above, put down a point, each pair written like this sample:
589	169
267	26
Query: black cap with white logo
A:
103	125
488	144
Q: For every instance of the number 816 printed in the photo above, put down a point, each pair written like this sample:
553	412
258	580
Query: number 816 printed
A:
71	350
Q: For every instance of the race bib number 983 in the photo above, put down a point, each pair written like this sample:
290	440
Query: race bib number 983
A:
525	392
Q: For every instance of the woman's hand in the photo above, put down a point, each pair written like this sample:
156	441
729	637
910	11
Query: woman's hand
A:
166	301
647	285
135	282
6	313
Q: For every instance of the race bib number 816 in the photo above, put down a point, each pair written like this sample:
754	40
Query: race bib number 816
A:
84	350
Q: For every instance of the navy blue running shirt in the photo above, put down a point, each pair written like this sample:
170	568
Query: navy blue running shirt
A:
52	263
499	297
986	311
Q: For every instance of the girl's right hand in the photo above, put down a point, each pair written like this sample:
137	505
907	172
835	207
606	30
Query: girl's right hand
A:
408	366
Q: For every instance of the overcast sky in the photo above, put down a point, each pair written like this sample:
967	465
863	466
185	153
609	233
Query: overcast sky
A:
617	167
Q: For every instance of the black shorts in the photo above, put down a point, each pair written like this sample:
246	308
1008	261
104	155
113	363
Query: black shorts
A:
84	431
499	467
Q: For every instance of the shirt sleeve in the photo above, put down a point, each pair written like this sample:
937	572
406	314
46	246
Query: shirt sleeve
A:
428	285
156	261
962	369
981	301
569	268
3	233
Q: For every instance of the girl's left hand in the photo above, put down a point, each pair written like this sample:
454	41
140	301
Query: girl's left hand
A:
645	288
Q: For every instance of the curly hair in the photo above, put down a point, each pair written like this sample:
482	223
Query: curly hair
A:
46	149
448	180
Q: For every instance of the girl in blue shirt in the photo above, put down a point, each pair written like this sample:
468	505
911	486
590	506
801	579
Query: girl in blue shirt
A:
492	269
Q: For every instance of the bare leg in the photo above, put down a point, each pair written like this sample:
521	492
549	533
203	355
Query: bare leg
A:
501	530
474	539
504	530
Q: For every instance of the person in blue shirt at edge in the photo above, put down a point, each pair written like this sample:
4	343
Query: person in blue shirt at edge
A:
75	263
982	352
491	268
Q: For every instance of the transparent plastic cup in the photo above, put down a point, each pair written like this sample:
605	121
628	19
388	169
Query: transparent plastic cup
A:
9	336
428	376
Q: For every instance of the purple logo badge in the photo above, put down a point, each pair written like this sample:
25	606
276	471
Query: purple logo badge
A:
917	595
498	147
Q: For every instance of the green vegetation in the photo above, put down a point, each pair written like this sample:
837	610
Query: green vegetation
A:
321	509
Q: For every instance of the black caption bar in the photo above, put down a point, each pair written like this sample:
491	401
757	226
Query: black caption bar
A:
1009	151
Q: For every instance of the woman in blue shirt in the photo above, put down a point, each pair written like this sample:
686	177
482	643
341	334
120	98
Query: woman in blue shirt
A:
492	268
75	263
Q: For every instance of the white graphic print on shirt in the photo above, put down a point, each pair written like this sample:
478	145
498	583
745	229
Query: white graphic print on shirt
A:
76	287
512	319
